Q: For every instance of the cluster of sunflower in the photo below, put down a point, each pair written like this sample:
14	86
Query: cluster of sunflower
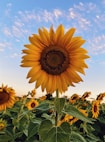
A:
56	58
28	118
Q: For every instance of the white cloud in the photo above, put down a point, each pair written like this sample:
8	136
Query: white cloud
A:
57	13
7	31
86	17
1	49
8	9
97	45
5	45
14	55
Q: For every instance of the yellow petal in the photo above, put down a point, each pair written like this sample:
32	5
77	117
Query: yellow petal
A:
64	82
52	36
59	34
49	86
34	70
33	47
35	39
76	42
31	57
27	64
26	51
44	84
68	36
42	79
43	37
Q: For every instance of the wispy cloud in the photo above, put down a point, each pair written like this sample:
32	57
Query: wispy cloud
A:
87	17
8	9
97	44
5	45
14	55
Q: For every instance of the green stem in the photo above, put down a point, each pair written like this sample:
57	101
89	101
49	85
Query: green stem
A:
56	114
57	94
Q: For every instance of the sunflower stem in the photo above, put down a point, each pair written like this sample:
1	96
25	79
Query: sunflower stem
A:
56	114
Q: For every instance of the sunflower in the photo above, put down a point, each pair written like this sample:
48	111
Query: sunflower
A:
7	97
42	98
100	96
85	95
74	98
95	108
32	104
70	119
33	92
55	58
3	124
84	112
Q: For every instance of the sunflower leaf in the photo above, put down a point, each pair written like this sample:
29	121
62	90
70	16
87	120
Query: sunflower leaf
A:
59	104
48	133
76	137
71	110
32	129
43	107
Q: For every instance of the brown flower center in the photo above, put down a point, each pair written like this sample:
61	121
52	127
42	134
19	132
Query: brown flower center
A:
95	108
4	97
33	105
54	60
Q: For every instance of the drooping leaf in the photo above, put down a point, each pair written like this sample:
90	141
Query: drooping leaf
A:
71	110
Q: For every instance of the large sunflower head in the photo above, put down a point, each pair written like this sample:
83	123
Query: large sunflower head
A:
55	59
32	104
7	97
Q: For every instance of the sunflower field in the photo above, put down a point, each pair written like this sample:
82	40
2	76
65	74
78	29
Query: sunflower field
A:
51	119
56	59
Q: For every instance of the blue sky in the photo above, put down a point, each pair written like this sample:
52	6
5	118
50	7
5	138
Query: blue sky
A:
21	18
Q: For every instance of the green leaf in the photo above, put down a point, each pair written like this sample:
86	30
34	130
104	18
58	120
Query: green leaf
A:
45	126
76	137
102	119
59	104
43	107
66	127
93	138
55	134
48	133
5	138
33	129
18	134
71	110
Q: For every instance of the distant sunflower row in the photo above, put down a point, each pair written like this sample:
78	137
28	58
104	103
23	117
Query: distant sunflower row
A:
8	98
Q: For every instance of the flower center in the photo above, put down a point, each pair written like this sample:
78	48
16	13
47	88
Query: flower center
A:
95	108
54	60
4	97
32	105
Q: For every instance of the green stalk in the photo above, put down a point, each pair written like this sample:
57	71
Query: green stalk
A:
56	113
